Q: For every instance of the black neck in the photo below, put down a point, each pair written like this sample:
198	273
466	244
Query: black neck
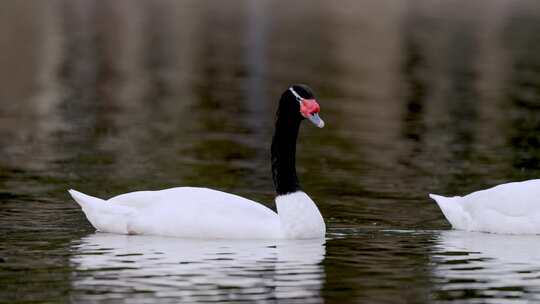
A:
284	146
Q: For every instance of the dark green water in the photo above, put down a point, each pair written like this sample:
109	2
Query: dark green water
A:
419	96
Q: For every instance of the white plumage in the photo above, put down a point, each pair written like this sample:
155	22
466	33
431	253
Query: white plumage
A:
203	213
512	208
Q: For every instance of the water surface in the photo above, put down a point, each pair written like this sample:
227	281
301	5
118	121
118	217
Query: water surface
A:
418	97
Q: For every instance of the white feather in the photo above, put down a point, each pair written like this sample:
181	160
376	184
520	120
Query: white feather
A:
299	216
203	213
512	208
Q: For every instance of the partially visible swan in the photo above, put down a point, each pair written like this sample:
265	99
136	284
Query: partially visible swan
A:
204	213
512	208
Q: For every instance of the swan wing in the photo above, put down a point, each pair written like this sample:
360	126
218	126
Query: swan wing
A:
516	199
192	213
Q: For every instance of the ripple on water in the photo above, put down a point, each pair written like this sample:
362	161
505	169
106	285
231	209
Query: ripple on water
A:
196	270
483	266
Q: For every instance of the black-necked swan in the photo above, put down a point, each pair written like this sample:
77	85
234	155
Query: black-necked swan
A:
191	212
511	208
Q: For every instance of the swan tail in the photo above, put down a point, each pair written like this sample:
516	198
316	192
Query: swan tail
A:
104	216
452	209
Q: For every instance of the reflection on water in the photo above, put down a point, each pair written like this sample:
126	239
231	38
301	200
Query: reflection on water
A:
482	266
161	269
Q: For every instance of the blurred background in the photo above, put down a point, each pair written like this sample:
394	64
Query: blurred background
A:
419	96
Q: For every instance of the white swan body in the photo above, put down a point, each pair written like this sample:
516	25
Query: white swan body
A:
512	208
190	212
204	213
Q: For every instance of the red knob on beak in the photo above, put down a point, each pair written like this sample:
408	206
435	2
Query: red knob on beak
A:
309	107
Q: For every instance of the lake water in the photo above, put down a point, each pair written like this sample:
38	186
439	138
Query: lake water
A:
418	97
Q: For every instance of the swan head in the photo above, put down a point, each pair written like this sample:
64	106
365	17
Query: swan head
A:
307	105
296	104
